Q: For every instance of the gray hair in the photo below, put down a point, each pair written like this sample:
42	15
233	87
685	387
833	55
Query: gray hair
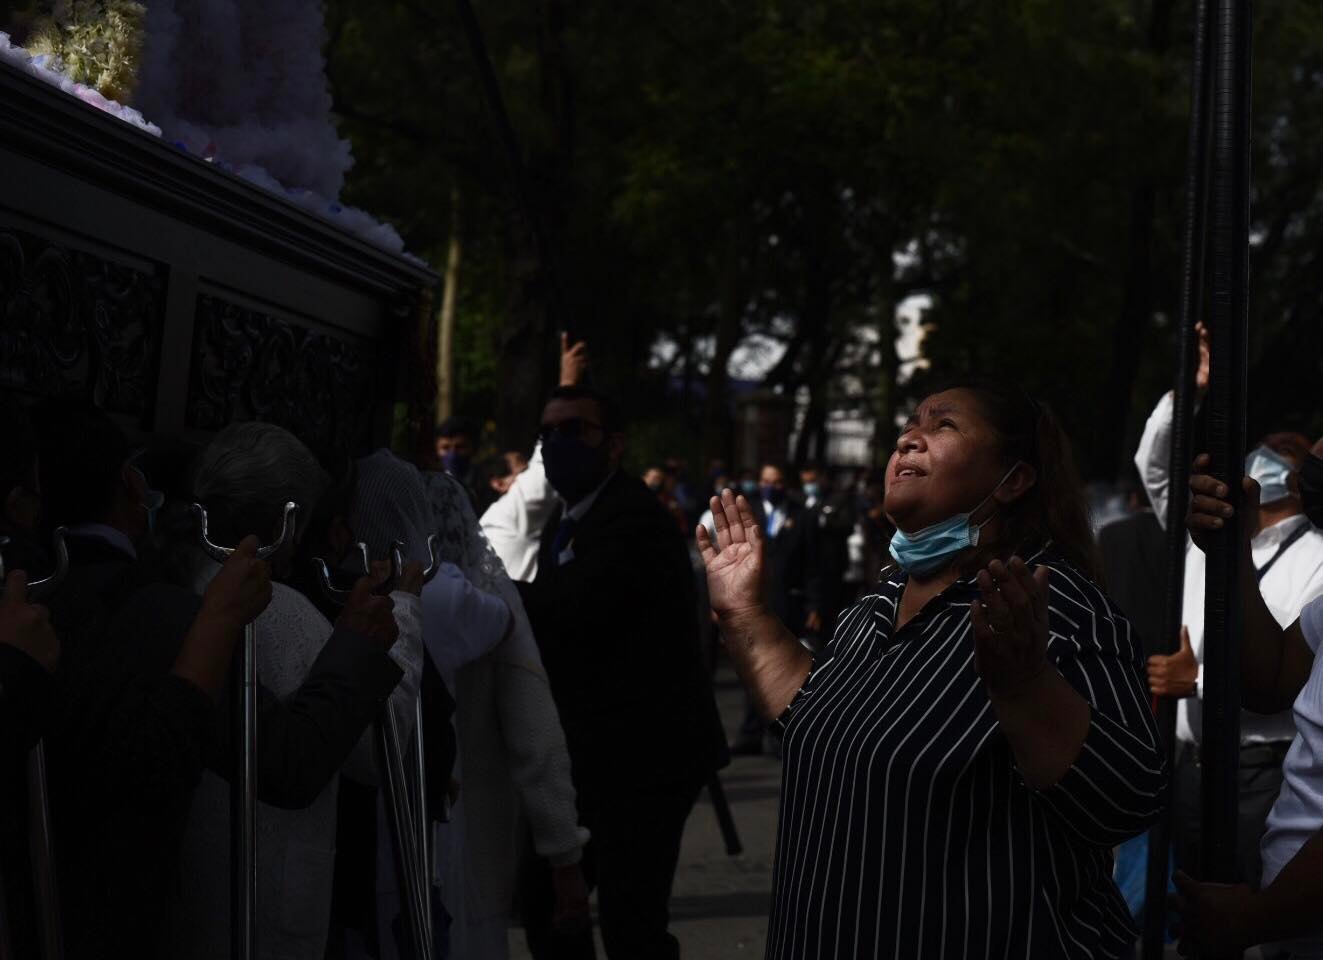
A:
247	473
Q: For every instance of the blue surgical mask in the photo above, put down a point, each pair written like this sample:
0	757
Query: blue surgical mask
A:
812	490
749	487
928	550
454	464
1272	471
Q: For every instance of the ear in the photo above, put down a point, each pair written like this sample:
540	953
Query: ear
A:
1019	482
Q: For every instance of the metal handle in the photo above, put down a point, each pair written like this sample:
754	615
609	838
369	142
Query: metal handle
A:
333	593
40	590
433	553
221	554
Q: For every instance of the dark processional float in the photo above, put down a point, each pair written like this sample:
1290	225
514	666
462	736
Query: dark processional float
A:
191	274
185	263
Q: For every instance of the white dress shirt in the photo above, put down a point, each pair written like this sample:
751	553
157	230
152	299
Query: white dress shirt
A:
1294	580
513	524
1298	813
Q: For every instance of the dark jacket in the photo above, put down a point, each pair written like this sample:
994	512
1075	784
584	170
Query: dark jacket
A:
130	741
1134	556
794	578
617	629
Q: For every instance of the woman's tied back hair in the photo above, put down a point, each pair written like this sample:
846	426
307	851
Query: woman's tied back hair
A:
1053	509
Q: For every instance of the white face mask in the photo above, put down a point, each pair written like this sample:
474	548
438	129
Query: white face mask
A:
1272	471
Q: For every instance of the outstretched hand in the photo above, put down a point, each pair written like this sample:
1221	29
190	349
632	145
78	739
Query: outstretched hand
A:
1010	625
735	561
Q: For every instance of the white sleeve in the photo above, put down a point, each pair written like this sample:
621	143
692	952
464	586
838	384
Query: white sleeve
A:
461	623
535	741
1153	458
1311	623
536	498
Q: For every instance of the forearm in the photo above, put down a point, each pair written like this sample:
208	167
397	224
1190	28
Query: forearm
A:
204	658
1288	907
1045	721
1153	457
769	660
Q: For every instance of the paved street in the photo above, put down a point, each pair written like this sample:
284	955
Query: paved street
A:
719	907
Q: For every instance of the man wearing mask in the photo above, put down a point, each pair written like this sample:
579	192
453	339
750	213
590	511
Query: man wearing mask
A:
794	586
456	442
614	612
831	511
1288	557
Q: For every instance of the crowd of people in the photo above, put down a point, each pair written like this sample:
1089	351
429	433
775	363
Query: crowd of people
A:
958	676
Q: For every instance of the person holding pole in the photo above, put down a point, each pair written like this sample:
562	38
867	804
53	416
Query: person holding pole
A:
1288	557
1280	670
963	755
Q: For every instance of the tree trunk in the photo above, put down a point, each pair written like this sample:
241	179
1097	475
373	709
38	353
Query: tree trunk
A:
445	350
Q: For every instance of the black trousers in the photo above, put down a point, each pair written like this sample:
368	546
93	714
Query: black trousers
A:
1260	782
630	860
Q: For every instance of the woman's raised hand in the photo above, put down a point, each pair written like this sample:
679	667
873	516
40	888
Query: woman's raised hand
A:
1010	625
735	562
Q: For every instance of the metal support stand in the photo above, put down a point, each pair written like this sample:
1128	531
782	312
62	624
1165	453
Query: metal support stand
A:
1229	332
406	810
1178	490
243	796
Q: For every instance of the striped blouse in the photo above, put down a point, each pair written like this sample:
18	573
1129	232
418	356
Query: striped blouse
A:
906	830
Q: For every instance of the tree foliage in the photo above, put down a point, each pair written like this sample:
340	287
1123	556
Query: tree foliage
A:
704	171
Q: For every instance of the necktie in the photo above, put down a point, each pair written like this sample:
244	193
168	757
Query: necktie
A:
564	534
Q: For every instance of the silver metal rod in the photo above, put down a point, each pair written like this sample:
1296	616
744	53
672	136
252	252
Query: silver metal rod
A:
406	863
243	793
424	820
243	806
41	850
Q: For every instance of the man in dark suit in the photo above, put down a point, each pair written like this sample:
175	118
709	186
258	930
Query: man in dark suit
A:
794	585
1134	555
831	508
613	609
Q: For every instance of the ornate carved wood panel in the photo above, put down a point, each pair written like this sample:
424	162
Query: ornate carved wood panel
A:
249	365
73	323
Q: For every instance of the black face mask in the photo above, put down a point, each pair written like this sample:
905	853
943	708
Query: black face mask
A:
574	468
1310	477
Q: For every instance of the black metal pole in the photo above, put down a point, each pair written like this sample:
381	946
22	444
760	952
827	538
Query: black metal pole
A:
1192	290
1228	329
